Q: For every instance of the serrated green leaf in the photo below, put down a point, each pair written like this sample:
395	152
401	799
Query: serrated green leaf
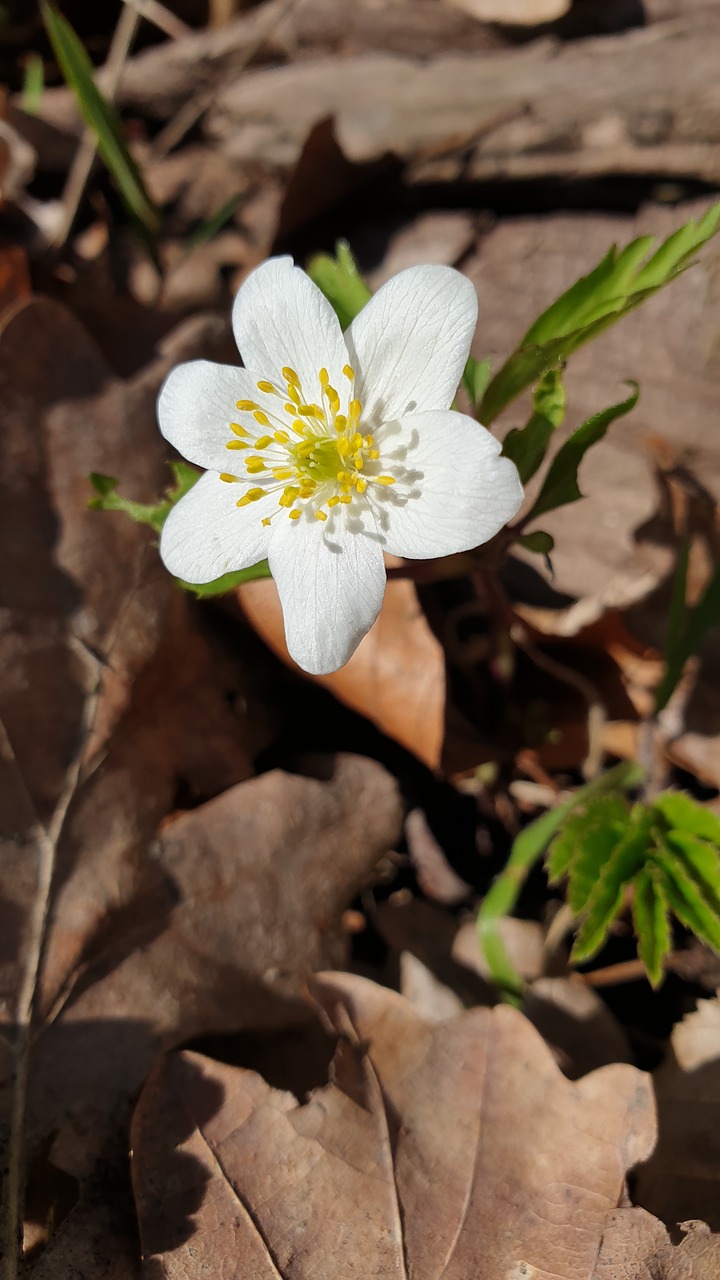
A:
699	860
156	513
528	846
606	899
152	513
587	842
339	279
686	900
652	923
527	446
618	285
108	499
476	376
684	814
560	486
100	116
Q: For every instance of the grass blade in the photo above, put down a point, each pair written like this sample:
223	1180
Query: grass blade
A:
100	117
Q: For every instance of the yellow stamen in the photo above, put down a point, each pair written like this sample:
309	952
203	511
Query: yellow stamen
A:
290	376
288	496
324	377
294	394
266	520
295	514
359	460
283	473
254	465
268	387
374	454
321	515
237	444
345	497
349	372
361	486
261	417
340	422
247	406
332	502
344	447
354	409
263	442
332	398
282	437
224	475
384	479
238	430
254	494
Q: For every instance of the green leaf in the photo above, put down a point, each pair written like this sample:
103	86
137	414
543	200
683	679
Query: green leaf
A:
560	486
339	279
475	378
156	513
528	846
228	581
585	844
526	447
700	861
33	84
651	921
152	513
210	227
618	285
686	900
687	628
606	899
683	814
100	116
537	541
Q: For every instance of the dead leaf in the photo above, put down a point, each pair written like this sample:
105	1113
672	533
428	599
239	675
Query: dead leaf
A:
429	1153
636	1246
682	1178
397	675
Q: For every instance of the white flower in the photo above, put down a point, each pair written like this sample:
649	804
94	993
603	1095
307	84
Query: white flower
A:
328	449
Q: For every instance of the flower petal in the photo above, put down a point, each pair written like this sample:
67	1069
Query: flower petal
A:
196	405
331	582
410	343
207	534
453	489
280	318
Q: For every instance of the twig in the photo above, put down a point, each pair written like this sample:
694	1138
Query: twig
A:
46	840
161	18
85	155
192	111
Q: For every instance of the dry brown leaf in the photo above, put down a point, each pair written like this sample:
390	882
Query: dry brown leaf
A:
456	1148
636	1246
397	675
682	1179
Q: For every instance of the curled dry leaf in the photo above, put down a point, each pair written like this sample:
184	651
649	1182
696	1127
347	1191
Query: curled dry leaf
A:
454	1148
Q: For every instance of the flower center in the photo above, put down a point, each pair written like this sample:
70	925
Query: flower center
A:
312	455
